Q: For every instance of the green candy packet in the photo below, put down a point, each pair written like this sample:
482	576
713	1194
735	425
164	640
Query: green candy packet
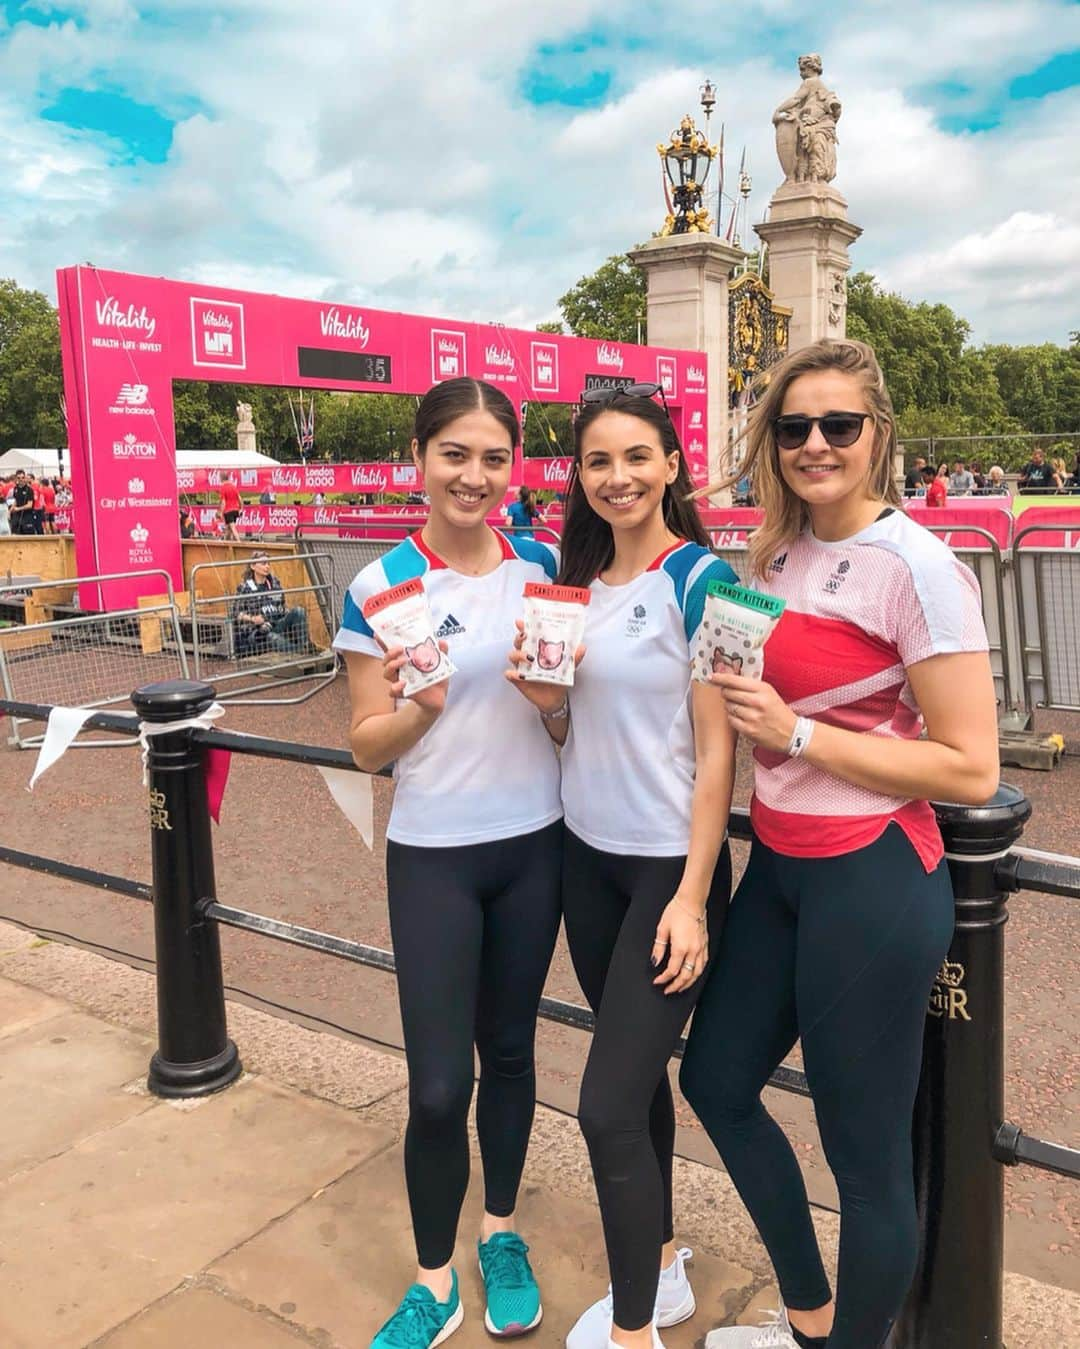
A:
735	625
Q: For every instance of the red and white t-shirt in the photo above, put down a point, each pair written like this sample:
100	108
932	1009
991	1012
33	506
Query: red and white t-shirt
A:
859	612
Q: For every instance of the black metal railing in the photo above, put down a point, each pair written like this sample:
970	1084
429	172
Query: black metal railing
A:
961	1138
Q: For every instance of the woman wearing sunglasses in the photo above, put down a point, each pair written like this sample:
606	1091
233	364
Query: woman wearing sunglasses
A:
845	911
647	771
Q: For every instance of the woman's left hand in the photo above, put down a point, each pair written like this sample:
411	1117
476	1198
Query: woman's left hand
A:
685	944
756	710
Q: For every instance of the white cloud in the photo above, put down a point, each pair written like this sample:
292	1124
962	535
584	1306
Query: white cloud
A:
386	154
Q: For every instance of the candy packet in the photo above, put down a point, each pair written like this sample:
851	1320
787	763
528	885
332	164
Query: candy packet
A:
400	617
735	626
554	627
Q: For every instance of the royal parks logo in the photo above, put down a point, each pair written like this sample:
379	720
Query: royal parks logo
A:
140	553
131	447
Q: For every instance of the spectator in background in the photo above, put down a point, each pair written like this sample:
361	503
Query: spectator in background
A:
1037	475
1074	481
936	490
48	498
5	518
263	620
996	483
1059	473
22	505
267	496
981	482
37	515
961	482
187	523
913	479
231	506
523	513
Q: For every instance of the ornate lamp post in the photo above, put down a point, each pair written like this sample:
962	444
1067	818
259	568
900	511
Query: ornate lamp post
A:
687	159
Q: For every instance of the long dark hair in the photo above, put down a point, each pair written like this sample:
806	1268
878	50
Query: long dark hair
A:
527	497
588	545
453	398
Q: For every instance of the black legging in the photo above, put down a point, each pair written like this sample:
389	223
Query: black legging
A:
473	929
840	952
612	904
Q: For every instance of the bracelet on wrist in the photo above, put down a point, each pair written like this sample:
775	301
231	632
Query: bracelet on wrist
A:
698	918
800	737
560	713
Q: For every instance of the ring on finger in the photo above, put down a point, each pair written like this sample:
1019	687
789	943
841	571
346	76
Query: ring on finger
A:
688	965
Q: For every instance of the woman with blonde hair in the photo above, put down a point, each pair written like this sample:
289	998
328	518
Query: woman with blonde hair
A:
845	911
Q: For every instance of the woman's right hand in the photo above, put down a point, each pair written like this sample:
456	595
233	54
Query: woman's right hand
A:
431	700
544	697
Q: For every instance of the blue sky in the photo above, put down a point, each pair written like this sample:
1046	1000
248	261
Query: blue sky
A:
476	159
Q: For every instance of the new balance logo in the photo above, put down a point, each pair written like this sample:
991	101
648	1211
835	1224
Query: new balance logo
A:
132	395
449	627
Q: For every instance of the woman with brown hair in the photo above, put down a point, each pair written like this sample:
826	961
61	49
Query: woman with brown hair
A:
845	910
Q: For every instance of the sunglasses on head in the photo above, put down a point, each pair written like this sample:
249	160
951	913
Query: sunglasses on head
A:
840	429
625	391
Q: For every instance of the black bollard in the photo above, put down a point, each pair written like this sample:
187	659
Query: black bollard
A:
955	1299
195	1055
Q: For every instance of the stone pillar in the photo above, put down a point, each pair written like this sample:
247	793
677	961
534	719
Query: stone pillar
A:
245	429
808	234
688	277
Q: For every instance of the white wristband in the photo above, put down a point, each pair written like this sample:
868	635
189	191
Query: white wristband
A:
800	737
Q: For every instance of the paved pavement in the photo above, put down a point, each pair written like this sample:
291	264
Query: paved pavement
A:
273	1214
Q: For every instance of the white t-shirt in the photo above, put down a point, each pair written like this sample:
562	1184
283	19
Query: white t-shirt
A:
628	764
487	768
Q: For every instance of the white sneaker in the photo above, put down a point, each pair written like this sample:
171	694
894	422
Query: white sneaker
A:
774	1334
674	1304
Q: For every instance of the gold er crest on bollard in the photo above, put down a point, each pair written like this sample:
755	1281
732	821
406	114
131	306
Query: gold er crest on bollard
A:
159	815
948	998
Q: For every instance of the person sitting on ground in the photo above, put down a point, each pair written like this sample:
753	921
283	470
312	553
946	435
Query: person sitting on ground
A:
263	620
936	489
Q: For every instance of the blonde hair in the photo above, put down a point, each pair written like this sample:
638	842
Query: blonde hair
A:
787	515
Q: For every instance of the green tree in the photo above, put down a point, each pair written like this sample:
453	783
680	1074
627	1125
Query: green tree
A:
31	380
608	304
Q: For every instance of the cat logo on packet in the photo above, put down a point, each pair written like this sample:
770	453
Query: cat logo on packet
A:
401	617
554	627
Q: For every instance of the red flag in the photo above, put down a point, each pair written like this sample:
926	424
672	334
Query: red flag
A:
216	763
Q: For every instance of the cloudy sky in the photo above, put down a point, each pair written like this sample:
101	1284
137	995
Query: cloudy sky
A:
475	157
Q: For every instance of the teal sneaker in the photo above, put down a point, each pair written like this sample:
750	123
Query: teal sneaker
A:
513	1299
421	1322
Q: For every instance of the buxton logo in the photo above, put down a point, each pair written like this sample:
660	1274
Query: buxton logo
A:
136	486
110	315
139	534
334	323
695	374
608	355
133	448
498	356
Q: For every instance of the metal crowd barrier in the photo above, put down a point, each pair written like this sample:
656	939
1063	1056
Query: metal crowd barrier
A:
256	666
1047	584
961	1137
60	652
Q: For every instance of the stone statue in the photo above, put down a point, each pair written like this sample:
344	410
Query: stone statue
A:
806	127
243	417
